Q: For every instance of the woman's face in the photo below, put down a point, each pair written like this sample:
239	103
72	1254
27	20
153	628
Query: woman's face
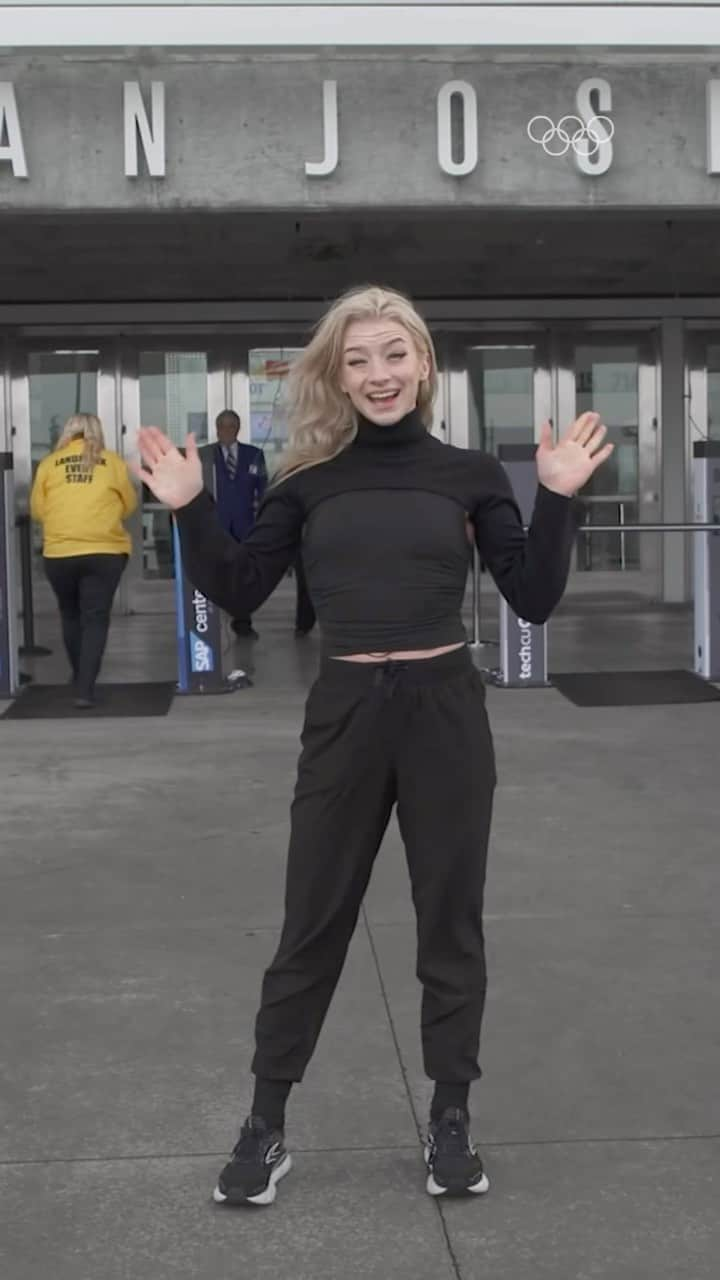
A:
381	369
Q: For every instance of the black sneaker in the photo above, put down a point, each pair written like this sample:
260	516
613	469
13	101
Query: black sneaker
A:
454	1165
259	1161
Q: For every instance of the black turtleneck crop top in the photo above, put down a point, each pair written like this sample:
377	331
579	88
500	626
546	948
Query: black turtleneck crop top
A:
382	528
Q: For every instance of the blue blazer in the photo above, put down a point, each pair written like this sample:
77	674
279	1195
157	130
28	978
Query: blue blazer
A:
237	499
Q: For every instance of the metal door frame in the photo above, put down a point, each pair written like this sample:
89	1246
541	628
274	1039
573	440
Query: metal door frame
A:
134	596
697	341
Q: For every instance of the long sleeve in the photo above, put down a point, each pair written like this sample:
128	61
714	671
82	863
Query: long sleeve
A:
239	576
37	495
530	569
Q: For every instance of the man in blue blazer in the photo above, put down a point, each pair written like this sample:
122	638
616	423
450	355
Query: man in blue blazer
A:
236	475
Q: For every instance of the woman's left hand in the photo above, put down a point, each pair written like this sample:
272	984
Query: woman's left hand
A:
568	465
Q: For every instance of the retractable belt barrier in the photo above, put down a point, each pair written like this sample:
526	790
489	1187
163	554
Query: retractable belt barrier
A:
28	647
198	628
523	644
198	631
8	603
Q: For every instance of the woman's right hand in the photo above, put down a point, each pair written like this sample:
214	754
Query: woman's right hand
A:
175	480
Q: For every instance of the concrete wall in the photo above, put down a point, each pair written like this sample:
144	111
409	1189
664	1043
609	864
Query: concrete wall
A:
240	128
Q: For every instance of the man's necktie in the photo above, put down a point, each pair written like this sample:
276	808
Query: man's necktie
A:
230	463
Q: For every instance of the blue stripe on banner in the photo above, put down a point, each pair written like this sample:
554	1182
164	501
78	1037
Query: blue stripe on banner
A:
183	670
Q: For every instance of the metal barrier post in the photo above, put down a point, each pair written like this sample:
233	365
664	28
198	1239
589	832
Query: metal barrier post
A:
199	637
706	559
199	641
28	648
706	553
8	605
523	644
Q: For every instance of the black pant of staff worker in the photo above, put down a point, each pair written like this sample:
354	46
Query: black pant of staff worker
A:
85	587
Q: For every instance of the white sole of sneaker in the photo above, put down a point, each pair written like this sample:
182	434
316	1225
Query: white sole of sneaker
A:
265	1197
434	1188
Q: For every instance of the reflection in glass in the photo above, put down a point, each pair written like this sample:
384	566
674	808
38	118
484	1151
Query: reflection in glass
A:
173	392
268	368
502	402
607	382
173	395
60	383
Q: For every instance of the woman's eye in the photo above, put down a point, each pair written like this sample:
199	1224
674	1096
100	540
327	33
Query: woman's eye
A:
397	355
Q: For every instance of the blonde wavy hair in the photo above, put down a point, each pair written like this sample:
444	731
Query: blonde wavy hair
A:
86	427
322	419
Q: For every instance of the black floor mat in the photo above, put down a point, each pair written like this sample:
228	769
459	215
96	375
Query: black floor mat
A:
55	702
633	688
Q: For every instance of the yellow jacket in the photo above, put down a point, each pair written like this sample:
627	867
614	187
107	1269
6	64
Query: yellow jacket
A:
82	512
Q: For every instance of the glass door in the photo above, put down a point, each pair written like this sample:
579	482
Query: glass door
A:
183	384
500	390
180	387
260	370
49	381
703	385
616	375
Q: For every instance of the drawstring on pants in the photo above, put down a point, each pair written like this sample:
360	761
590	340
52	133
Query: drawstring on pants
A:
387	675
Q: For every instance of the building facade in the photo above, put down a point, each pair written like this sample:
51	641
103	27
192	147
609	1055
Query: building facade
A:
544	180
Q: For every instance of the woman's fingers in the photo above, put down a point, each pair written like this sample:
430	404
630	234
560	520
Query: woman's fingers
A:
545	440
585	427
596	439
153	445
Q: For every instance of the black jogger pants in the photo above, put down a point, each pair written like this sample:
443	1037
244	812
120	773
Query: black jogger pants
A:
414	734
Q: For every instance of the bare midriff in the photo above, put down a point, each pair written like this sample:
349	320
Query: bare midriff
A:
399	655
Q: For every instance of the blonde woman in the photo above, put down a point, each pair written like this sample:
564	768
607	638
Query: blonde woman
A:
397	714
81	495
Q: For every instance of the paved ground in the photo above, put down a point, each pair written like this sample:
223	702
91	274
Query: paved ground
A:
142	867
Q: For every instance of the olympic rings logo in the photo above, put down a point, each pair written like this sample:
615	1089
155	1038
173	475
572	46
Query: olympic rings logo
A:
557	139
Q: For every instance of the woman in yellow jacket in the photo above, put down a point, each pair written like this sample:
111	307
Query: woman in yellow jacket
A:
81	495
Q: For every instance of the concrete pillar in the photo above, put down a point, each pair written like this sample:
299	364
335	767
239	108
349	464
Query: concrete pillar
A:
674	475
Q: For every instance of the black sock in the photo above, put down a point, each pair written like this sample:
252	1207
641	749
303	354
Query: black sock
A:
269	1101
449	1095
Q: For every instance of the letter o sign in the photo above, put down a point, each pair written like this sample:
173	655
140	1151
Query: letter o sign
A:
457	168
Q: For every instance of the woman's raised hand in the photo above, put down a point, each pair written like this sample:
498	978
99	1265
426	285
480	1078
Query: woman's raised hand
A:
174	479
566	466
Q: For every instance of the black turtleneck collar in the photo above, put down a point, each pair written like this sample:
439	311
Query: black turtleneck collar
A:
409	430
